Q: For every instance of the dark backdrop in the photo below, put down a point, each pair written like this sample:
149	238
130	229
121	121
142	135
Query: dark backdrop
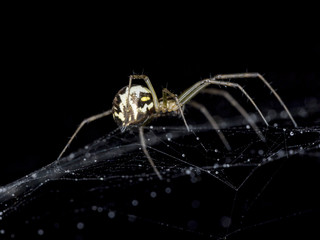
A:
58	71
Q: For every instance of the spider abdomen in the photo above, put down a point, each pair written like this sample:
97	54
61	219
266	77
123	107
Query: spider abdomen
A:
132	108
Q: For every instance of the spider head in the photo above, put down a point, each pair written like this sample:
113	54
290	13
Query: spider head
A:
135	108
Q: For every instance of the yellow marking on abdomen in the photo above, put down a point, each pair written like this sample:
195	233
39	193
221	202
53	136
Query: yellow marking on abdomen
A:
144	99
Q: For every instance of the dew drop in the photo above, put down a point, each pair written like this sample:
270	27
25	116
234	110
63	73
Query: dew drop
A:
153	194
40	232
168	190
291	133
111	214
80	225
135	202
183	155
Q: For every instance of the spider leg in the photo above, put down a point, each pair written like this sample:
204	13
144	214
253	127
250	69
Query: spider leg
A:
240	109
87	120
197	87
258	75
166	91
211	120
145	150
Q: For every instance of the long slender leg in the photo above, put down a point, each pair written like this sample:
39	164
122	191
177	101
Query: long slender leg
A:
149	84
197	87
144	148
87	120
258	75
237	106
238	76
211	120
178	104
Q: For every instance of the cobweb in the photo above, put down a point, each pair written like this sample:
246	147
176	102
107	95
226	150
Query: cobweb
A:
109	189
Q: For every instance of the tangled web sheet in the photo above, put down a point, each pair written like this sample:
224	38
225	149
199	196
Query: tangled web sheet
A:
109	188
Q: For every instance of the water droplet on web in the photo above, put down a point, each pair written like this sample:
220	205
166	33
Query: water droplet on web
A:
71	156
80	225
168	190
247	126
40	232
111	214
151	127
183	155
153	194
291	133
135	202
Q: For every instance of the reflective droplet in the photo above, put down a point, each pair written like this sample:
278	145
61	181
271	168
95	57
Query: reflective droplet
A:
80	225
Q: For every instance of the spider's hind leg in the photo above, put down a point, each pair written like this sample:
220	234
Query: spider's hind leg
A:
211	120
237	106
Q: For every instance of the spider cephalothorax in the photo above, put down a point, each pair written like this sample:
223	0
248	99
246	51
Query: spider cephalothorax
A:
137	110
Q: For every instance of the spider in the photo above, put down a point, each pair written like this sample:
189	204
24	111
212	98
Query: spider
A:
137	105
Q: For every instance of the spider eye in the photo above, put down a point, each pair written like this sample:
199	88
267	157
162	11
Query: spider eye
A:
135	108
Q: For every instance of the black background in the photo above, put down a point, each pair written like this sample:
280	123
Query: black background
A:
61	67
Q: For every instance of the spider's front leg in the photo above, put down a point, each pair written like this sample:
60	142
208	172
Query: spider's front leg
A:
197	87
191	92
